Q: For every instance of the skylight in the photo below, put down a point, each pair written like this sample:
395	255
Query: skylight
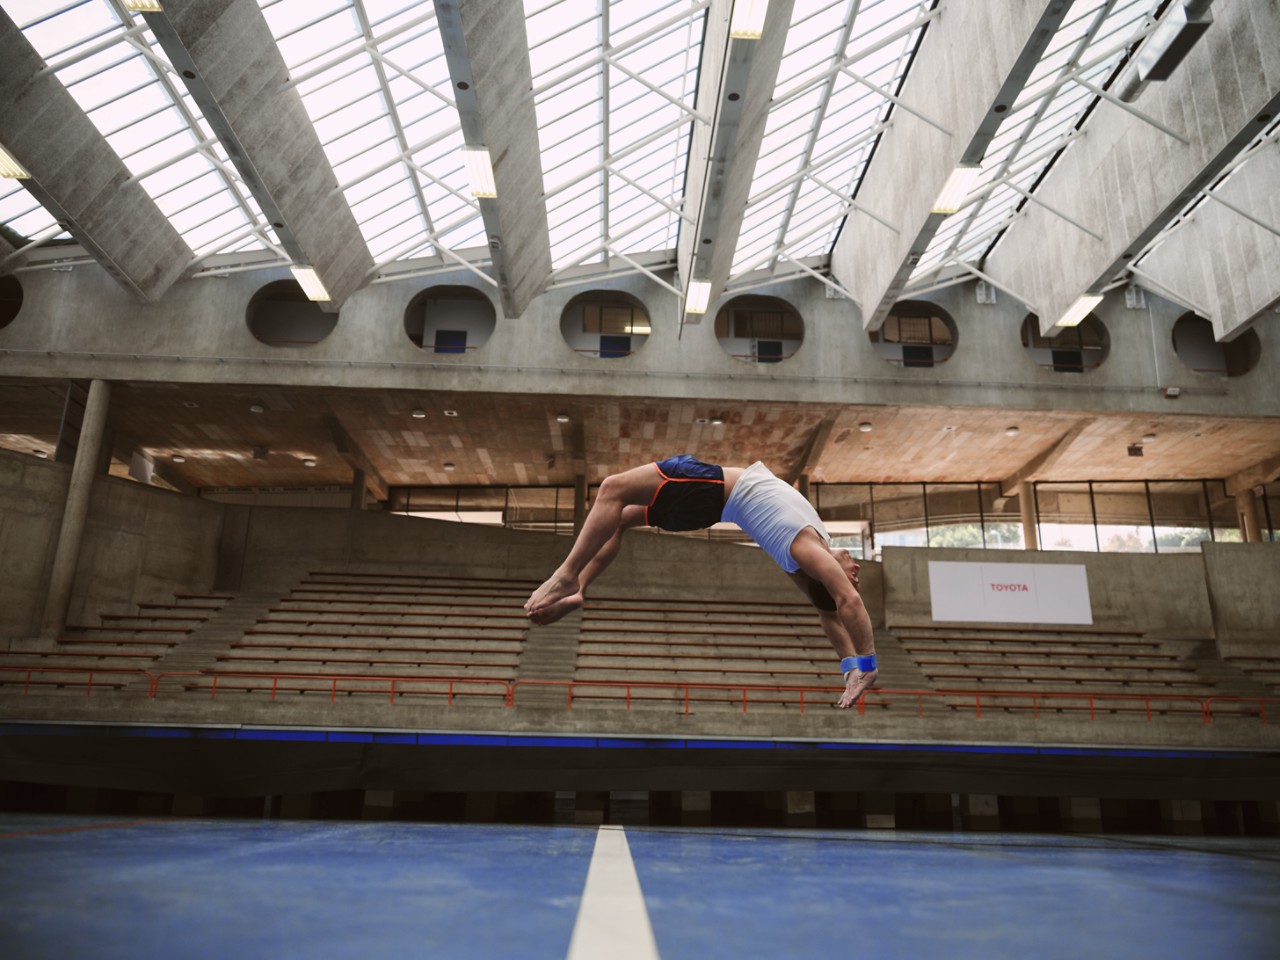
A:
614	84
824	122
111	64
1089	45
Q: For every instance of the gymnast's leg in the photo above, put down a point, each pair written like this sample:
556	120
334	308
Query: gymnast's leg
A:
634	487
632	516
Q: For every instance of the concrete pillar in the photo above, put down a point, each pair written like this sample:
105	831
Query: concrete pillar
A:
801	809
1247	511
1182	817
878	811
1081	814
579	502
1027	506
695	808
66	555
980	811
379	805
357	489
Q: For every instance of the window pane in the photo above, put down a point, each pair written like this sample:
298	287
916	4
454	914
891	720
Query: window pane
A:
899	515
1066	516
1124	521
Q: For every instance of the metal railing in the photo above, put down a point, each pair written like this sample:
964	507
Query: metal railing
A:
685	695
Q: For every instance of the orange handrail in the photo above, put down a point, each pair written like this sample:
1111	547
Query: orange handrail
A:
333	679
508	689
88	690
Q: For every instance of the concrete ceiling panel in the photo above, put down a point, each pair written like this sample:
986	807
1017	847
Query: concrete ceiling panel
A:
735	88
1222	263
487	48
79	179
913	160
1127	179
241	84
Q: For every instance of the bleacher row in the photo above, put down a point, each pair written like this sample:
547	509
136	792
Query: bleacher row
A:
420	638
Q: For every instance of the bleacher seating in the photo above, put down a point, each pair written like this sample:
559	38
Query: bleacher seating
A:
117	650
1068	669
712	652
395	635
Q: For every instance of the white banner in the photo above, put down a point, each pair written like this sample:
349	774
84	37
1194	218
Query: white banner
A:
1010	592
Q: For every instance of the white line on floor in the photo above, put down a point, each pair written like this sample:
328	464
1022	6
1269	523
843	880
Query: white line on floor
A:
612	920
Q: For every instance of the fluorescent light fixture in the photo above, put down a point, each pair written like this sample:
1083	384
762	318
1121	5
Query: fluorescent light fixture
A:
480	171
142	6
697	296
747	21
310	283
956	188
1079	310
11	168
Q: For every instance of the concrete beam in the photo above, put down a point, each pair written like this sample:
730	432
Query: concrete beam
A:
1010	486
967	91
1263	472
1221	258
1126	179
8	262
79	178
735	88
812	453
359	461
226	56
487	50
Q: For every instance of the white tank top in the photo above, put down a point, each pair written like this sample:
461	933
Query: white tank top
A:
772	513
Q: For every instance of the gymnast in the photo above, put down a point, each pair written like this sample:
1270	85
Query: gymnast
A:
684	493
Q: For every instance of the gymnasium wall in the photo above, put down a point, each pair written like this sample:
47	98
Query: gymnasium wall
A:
1164	596
1244	583
140	544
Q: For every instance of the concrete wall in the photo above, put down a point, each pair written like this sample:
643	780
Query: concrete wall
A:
1244	582
197	333
140	544
32	493
1164	596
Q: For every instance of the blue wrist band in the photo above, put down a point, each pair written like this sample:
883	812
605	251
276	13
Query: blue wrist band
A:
866	664
848	664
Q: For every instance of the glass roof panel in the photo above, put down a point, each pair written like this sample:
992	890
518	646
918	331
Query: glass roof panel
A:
137	104
614	84
1092	40
821	129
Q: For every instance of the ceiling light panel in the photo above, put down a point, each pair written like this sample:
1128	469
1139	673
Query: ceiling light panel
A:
373	78
632	111
1093	36
142	109
823	125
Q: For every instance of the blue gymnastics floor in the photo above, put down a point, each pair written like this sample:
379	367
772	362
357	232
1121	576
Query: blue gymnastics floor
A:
74	887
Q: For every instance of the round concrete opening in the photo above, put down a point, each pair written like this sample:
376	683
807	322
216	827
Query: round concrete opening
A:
605	324
759	329
450	319
916	333
1196	346
280	315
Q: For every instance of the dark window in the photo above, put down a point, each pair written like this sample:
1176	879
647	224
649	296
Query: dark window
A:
451	341
915	356
768	351
1068	361
613	346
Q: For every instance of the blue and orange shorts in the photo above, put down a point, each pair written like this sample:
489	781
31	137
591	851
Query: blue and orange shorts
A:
690	497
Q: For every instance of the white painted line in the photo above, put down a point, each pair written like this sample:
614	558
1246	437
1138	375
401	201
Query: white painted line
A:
612	920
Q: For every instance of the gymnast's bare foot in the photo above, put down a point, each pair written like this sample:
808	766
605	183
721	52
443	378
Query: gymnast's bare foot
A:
555	611
855	688
556	588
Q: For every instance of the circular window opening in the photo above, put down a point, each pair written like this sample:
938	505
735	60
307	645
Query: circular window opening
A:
1071	350
280	315
758	329
450	319
915	334
1195	345
605	323
10	300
